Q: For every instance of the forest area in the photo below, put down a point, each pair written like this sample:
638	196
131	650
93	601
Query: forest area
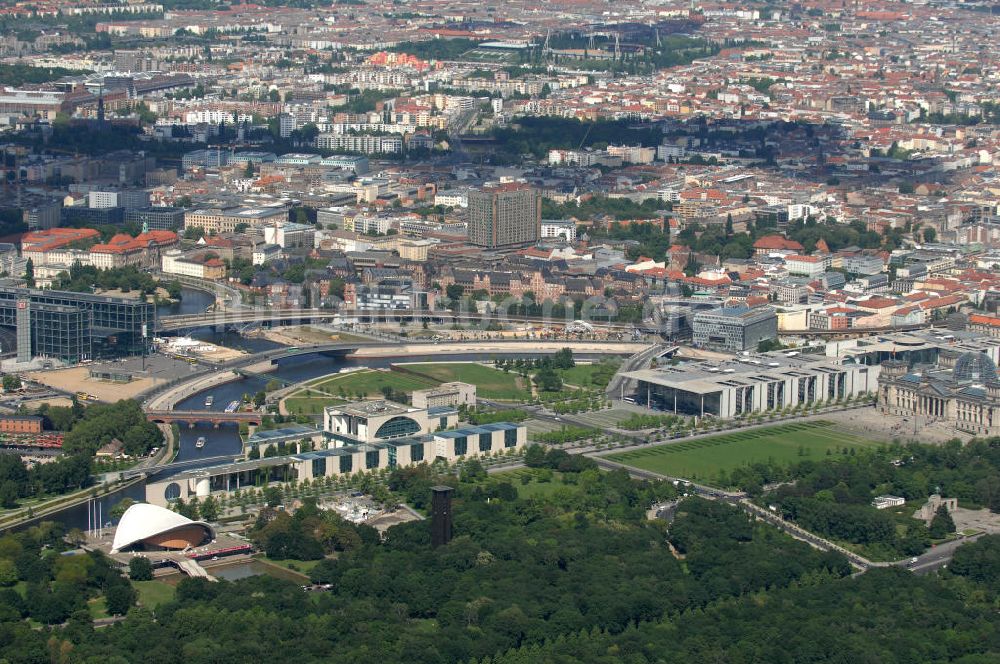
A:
577	575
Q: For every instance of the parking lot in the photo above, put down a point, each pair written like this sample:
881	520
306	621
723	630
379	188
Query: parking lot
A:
148	373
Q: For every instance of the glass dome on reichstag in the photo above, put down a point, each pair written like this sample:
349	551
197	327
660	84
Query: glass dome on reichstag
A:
976	368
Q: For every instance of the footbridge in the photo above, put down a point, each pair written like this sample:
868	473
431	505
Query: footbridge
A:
181	466
194	570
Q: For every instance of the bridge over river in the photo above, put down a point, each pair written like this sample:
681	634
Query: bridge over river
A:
192	417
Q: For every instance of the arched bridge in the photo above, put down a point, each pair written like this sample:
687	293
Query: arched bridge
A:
192	417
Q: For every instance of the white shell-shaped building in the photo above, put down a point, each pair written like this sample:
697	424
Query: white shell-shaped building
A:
148	527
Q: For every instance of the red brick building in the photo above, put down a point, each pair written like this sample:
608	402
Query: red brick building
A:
20	424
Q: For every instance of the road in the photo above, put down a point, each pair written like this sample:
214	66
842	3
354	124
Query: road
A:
225	295
937	557
638	361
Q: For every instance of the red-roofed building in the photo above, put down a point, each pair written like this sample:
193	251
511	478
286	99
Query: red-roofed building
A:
881	309
678	256
942	304
985	324
911	315
142	251
776	244
57	245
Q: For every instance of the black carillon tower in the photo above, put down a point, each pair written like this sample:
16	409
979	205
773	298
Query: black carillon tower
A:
441	515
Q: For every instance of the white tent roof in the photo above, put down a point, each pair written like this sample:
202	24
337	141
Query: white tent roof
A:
143	520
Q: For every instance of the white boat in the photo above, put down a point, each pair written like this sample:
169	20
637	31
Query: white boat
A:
233	406
200	443
209	400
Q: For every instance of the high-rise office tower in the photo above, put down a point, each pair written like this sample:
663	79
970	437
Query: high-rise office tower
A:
504	215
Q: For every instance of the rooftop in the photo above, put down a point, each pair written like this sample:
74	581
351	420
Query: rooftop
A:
293	431
373	408
708	377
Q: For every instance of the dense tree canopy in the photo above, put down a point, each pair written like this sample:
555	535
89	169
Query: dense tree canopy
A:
46	479
833	496
309	534
102	423
84	278
580	575
536	135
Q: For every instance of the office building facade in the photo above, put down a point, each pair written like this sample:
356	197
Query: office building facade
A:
41	217
377	421
734	329
73	327
88	217
363	143
345	459
156	218
505	215
225	220
746	384
123	198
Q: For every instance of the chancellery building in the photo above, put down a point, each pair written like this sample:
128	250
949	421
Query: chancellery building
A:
363	436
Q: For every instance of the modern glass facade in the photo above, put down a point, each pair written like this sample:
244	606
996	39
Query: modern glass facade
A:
156	218
734	329
79	326
398	427
319	467
59	332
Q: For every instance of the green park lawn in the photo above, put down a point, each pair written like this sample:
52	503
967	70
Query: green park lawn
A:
369	382
582	375
702	459
98	608
302	567
153	593
308	405
490	383
535	488
340	387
